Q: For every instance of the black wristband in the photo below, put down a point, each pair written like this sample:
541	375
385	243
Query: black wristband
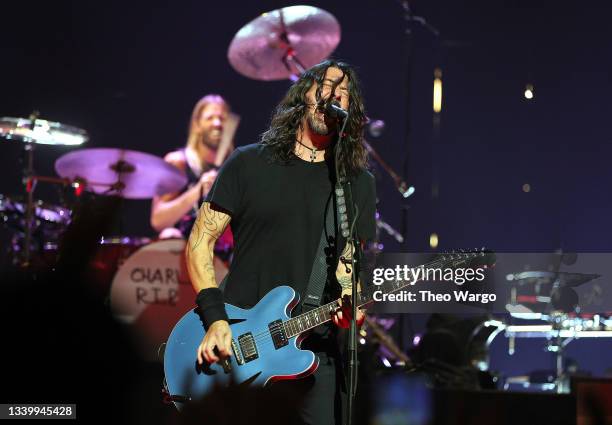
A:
210	306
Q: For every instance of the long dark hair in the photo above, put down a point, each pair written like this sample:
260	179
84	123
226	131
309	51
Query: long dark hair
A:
288	115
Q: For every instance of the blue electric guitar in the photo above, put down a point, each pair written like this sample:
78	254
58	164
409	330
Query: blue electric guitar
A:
265	340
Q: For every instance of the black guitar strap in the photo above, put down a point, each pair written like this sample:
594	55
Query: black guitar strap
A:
325	255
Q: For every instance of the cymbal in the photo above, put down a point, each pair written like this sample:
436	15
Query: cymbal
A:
44	132
120	172
275	45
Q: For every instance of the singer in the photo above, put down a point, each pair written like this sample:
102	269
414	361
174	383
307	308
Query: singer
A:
274	196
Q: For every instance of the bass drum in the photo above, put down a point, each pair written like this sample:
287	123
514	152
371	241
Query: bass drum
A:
151	291
112	252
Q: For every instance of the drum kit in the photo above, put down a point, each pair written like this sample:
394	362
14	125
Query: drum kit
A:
145	281
544	305
103	171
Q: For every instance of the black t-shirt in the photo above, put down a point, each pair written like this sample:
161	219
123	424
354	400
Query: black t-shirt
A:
278	213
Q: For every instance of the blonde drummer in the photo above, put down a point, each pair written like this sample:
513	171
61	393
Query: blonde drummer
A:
209	143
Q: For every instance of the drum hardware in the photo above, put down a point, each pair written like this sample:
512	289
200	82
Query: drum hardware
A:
376	329
282	43
36	224
120	172
47	224
37	131
123	173
402	187
33	131
560	330
381	224
400	184
29	188
560	279
554	301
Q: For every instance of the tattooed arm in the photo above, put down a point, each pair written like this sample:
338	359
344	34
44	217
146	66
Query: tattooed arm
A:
208	227
342	275
342	317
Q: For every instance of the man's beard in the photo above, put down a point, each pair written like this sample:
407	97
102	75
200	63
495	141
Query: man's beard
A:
210	142
317	125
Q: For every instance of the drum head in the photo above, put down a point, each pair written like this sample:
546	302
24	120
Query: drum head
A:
151	291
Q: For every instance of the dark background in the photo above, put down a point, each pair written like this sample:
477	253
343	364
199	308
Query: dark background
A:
130	73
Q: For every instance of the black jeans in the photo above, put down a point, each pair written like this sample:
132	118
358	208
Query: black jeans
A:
323	393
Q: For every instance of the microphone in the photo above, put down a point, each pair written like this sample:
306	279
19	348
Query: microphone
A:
334	110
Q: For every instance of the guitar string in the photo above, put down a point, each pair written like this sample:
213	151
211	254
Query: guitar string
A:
263	339
264	336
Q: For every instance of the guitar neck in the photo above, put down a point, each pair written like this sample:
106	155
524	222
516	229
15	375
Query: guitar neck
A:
323	314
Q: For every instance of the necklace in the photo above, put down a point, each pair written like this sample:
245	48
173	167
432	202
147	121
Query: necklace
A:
313	152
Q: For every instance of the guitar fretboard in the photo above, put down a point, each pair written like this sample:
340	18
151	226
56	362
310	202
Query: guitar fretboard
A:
322	314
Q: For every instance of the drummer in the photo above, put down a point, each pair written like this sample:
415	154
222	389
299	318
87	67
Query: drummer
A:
173	214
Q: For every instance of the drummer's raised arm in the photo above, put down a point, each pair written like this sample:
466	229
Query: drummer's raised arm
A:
167	209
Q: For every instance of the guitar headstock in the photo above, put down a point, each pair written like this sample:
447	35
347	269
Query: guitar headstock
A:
478	257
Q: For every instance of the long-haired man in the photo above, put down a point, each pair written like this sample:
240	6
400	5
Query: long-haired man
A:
274	196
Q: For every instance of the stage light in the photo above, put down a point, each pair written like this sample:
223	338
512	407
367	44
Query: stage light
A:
529	92
433	240
437	91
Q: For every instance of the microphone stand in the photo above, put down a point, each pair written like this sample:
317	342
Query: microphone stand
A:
348	231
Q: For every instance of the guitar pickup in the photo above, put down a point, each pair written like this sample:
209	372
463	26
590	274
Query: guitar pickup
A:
277	331
248	347
237	353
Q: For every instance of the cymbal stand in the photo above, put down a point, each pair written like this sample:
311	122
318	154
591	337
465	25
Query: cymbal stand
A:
121	168
30	184
290	56
382	224
556	345
400	184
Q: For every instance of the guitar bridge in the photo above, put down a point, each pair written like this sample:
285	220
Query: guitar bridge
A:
277	331
248	347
